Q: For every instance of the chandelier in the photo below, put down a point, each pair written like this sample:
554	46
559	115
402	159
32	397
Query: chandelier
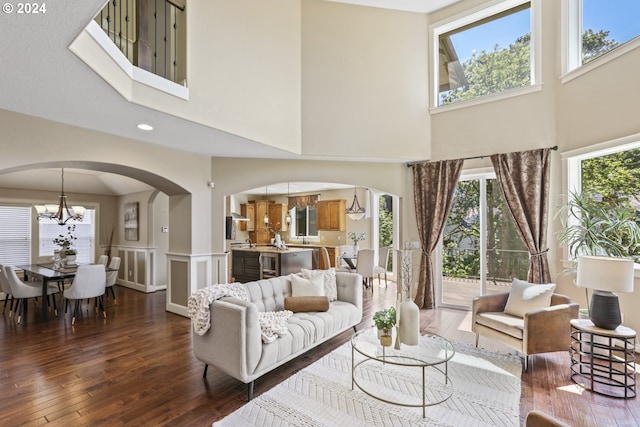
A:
60	212
355	211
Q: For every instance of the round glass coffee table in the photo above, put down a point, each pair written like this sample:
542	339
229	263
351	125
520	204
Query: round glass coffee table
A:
393	366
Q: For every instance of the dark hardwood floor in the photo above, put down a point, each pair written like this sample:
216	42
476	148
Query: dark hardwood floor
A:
136	368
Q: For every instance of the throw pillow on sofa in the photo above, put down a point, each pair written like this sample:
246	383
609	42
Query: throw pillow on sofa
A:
525	297
301	287
329	280
306	304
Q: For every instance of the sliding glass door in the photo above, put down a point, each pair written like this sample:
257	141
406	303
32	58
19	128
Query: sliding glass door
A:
480	250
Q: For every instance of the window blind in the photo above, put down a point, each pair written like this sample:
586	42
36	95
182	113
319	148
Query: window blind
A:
15	235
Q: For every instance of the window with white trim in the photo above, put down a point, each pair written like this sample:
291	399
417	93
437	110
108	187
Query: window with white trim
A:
15	235
84	231
485	52
596	27
608	180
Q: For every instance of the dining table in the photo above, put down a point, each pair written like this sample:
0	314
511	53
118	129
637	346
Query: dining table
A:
47	273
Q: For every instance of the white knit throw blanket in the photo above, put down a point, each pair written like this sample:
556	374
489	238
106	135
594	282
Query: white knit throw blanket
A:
199	302
273	324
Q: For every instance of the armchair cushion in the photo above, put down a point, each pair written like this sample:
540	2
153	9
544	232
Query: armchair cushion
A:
525	297
502	322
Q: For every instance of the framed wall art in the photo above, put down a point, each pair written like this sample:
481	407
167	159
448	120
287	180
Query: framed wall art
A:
131	221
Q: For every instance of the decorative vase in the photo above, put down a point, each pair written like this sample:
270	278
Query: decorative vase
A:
409	322
386	338
71	259
278	241
356	248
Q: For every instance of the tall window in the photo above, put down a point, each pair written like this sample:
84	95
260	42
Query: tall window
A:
15	235
596	27
304	222
481	250
84	232
608	184
484	53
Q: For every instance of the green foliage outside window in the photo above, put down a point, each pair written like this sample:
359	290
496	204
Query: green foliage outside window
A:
385	224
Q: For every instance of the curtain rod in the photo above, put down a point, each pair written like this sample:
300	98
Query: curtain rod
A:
409	164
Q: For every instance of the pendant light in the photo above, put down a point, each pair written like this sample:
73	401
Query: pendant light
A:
355	211
266	212
62	212
287	219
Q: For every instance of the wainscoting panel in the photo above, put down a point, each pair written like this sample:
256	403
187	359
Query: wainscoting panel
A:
137	268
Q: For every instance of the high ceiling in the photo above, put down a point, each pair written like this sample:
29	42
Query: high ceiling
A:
68	90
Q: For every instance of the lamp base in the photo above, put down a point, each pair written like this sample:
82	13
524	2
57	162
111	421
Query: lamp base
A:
605	310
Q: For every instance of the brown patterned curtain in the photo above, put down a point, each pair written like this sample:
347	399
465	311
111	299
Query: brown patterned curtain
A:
524	180
303	201
433	187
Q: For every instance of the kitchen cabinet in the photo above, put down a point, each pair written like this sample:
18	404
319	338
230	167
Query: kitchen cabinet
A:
331	215
251	264
248	210
255	210
245	266
277	214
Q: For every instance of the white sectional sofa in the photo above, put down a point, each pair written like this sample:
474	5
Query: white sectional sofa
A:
234	342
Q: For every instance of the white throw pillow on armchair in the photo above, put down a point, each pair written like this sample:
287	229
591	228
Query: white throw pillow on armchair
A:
525	297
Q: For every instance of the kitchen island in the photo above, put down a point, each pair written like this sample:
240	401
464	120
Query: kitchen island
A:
263	262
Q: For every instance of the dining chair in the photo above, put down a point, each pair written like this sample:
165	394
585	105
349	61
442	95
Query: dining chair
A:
89	282
112	275
344	250
383	261
103	259
22	291
365	265
6	290
325	258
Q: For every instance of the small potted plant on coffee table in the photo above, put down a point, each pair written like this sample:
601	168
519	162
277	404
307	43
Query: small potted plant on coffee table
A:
385	320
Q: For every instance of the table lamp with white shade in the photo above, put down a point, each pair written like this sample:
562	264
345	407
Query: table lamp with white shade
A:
605	275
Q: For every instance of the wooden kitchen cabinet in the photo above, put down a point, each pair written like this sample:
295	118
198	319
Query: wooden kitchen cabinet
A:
277	214
248	210
331	215
260	233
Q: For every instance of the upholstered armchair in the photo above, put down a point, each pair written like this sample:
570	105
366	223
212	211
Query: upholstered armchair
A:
541	330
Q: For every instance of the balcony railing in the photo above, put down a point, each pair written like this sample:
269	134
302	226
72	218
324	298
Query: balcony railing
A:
150	33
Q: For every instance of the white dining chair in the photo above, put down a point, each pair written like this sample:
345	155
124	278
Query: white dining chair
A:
6	290
112	275
344	250
383	261
103	259
89	282
22	291
365	265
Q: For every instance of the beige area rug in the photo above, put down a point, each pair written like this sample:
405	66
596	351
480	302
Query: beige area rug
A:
486	392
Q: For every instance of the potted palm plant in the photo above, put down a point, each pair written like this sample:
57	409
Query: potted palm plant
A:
592	227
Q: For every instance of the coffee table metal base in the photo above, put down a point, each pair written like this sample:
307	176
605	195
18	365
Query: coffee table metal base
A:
445	374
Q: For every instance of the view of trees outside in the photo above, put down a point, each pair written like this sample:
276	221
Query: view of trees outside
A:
507	257
506	68
611	185
385	225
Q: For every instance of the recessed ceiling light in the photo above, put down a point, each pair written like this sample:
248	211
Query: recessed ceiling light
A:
144	126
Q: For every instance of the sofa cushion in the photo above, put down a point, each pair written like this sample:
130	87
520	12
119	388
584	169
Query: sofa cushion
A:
307	287
525	297
510	325
328	278
306	303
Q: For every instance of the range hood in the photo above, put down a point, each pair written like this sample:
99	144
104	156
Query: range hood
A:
237	217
